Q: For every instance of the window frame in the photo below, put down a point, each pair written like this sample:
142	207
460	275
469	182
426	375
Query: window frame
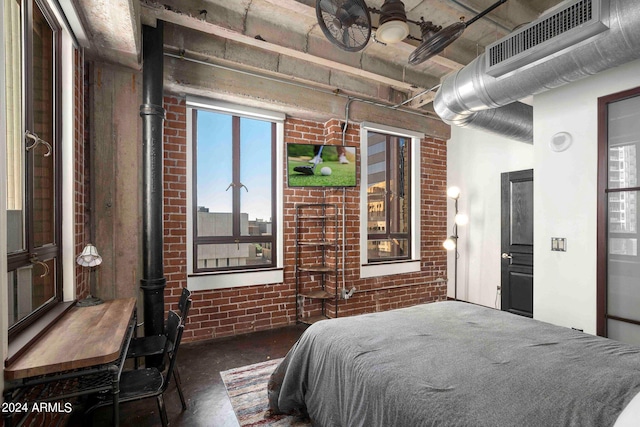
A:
54	251
389	234
201	279
603	232
391	266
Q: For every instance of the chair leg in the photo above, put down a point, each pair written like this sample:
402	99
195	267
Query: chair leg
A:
163	411
176	376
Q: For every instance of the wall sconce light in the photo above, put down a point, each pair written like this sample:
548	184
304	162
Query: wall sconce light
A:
451	243
89	258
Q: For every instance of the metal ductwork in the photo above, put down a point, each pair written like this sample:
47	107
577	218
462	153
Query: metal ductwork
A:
576	39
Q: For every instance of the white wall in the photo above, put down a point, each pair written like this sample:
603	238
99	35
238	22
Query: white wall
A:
565	197
475	160
565	201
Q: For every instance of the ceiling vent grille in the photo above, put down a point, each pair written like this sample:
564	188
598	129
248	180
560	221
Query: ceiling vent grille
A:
568	24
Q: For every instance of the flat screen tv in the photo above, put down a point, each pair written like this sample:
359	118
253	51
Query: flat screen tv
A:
311	165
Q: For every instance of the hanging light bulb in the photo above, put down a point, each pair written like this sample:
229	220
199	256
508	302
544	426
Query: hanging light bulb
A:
453	192
461	219
450	243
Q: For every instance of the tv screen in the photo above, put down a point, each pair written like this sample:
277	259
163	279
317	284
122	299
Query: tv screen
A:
311	165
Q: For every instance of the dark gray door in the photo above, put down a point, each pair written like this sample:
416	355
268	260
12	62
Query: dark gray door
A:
517	242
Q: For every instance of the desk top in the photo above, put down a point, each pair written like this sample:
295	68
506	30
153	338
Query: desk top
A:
82	337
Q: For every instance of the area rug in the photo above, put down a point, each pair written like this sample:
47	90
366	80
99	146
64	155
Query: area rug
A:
247	390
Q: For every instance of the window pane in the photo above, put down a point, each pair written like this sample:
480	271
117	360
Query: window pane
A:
13	111
623	169
43	107
256	176
226	255
623	297
377	183
623	137
214	172
399	186
623	331
388	248
28	290
623	212
388	196
623	265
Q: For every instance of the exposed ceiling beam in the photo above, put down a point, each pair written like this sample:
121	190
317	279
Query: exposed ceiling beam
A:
150	11
300	8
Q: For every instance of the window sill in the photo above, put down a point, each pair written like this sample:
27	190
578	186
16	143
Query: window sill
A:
25	338
232	279
389	268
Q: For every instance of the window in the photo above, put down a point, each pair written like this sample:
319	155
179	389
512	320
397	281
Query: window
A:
388	197
390	200
32	87
618	219
234	189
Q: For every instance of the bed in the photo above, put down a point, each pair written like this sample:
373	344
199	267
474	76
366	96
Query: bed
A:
456	364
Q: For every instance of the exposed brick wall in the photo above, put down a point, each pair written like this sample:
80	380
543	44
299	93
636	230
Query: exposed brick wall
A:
232	311
175	205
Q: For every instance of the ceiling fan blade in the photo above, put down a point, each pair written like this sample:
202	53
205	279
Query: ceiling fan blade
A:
437	43
443	38
346	36
354	8
328	6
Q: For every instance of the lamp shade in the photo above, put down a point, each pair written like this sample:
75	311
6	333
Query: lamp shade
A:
392	32
393	26
89	256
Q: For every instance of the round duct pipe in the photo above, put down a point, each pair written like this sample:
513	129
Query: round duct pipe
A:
470	91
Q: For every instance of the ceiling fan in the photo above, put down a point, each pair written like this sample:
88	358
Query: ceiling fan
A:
347	24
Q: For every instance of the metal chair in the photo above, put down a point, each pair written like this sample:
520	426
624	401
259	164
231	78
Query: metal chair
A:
145	383
155	345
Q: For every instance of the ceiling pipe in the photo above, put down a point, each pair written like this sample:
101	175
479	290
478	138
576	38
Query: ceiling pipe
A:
468	97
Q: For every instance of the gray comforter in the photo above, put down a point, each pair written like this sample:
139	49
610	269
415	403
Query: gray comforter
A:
453	364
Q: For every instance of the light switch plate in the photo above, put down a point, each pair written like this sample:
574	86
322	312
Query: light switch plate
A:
559	244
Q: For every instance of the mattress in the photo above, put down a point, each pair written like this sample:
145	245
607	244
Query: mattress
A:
455	364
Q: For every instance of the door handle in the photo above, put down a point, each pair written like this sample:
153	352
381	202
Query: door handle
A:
506	256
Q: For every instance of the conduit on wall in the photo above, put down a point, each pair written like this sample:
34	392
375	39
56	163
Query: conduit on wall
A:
336	92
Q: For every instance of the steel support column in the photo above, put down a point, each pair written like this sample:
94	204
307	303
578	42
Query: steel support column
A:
153	115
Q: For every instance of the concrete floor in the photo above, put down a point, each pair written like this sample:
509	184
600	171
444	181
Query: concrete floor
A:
200	366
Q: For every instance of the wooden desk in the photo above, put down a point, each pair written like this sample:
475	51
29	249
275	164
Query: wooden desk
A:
83	353
83	337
